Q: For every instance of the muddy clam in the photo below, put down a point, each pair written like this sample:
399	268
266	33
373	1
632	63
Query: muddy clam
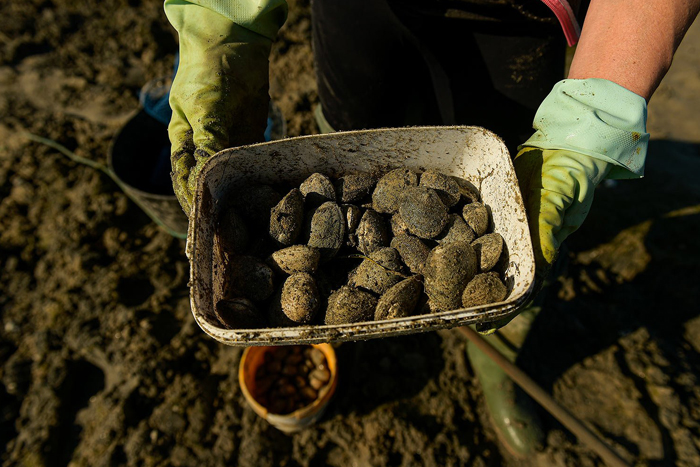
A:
287	218
300	299
372	232
447	271
477	217
350	305
353	215
456	230
327	230
400	300
390	188
422	211
467	191
445	186
317	189
412	250
378	272
483	289
488	249
398	226
353	188
296	258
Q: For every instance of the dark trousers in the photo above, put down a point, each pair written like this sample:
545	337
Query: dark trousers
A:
393	63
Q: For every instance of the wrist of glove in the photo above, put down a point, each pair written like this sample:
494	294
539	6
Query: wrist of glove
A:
219	96
586	131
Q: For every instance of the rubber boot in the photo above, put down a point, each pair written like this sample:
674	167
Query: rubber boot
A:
513	412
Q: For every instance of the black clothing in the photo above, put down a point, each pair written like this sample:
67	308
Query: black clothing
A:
392	63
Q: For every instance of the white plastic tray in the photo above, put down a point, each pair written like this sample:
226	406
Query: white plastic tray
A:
472	153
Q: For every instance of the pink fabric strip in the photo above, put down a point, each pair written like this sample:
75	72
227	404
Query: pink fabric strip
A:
567	19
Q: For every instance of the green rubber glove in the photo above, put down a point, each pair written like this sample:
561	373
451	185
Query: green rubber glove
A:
587	130
220	93
557	187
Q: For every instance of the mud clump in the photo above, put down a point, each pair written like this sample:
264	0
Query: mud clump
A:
484	289
287	217
350	305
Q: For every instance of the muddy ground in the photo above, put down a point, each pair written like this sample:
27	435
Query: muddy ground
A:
102	363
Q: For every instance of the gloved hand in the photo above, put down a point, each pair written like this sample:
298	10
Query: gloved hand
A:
557	187
587	130
220	95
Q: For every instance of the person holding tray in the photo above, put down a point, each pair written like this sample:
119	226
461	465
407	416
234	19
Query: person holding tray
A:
492	63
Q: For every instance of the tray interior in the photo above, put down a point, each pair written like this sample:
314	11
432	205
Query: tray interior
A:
468	152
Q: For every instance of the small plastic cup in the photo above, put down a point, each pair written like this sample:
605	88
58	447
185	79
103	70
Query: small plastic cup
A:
295	421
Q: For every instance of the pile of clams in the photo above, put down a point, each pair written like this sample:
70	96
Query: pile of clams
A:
291	377
357	248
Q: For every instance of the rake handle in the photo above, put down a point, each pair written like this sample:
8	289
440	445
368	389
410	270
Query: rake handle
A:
533	389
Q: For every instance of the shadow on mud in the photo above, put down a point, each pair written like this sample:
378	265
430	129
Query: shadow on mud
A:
82	381
380	371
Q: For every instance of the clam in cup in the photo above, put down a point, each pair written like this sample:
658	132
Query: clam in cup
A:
254	358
